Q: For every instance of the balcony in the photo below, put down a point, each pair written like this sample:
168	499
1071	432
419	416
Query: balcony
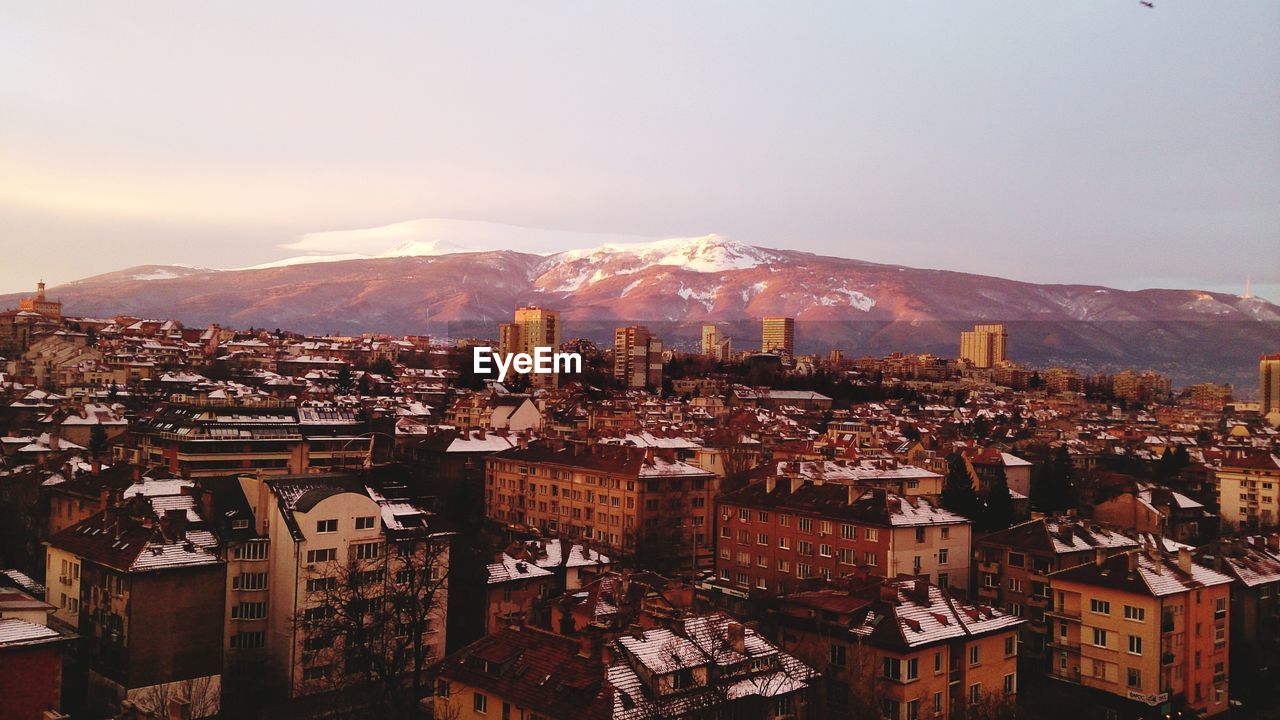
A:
989	593
1062	612
992	568
1168	658
1038	601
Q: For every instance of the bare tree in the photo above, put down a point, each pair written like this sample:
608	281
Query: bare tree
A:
193	699
367	626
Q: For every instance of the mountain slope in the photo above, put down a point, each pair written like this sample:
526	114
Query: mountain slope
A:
676	284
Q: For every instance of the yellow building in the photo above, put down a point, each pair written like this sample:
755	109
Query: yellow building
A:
532	327
1247	488
38	303
984	346
637	357
778	334
1269	383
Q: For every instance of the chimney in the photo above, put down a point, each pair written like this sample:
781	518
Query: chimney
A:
636	632
888	593
737	633
648	455
853	491
1133	561
921	589
770	483
1099	555
1184	560
1273	542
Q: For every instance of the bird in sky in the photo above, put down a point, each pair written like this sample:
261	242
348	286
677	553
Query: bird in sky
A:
1148	4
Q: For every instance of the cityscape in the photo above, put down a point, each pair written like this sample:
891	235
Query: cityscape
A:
640	361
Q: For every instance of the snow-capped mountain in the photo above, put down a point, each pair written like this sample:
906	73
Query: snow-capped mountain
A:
434	285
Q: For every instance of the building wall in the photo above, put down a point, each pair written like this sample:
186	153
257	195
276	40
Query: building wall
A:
62	584
30	680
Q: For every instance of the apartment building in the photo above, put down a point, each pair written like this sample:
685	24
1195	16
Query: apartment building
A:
317	544
637	358
625	500
985	346
1149	630
217	436
1269	383
778	334
527	574
903	648
1012	568
775	533
143	588
1247	482
532	327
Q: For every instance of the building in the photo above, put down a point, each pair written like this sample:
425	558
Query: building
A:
628	501
1269	383
776	533
1253	562
1150	634
1141	387
219	436
523	672
1156	510
31	653
527	574
315	545
532	327
901	649
637	358
985	346
1209	396
39	303
714	345
1013	565
1247	481
778	335
146	592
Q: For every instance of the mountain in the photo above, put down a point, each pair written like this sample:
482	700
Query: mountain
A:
674	285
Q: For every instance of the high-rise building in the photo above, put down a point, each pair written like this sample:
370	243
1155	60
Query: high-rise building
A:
637	357
714	345
778	334
1269	382
533	327
984	346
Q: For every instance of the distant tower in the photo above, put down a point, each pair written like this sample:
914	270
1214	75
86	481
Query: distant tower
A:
637	357
533	327
984	346
39	303
778	334
1248	287
1269	382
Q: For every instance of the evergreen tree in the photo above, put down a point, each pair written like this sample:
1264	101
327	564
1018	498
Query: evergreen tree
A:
999	513
97	440
958	494
345	382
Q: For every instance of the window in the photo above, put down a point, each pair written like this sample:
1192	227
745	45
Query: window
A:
1101	607
892	668
937	703
762	539
1017	559
249	611
942	557
913	710
1135	645
1011	645
975	693
365	551
937	662
913	668
920	535
1134	678
838	655
326	526
762	516
848	532
321	584
365	523
1015	585
784	542
1220	635
1099	637
317	672
869	558
824	550
805	524
248	640
249	581
251	550
315	556
870	534
974	655
804	548
480	703
1135	614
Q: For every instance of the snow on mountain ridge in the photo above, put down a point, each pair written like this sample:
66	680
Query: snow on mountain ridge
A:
706	254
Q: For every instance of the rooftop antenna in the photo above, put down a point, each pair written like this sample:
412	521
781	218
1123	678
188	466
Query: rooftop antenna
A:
1248	287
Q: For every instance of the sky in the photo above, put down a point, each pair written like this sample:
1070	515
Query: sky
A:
1093	141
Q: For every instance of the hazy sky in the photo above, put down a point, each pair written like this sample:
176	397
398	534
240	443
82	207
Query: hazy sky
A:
1082	141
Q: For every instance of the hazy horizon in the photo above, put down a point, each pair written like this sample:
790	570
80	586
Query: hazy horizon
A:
1097	142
